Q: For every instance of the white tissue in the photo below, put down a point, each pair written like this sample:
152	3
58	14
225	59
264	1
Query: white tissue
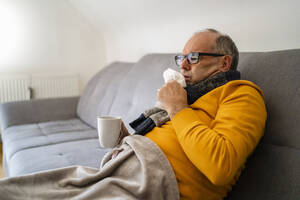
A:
170	74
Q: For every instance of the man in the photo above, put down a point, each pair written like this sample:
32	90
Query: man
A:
215	124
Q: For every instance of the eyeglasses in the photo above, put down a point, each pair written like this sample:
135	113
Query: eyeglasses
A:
193	57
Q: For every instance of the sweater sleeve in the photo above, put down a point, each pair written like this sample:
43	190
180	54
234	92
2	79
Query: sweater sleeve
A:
220	148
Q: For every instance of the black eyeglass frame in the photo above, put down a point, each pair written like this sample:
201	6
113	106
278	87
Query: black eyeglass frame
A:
198	55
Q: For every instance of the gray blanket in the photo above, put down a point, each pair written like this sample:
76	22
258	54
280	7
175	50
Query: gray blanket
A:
139	171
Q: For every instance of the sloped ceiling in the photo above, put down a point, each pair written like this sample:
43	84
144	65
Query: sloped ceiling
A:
104	14
132	28
136	25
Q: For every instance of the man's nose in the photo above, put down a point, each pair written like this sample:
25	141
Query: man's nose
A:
185	65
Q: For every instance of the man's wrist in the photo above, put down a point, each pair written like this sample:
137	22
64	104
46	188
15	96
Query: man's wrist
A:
172	112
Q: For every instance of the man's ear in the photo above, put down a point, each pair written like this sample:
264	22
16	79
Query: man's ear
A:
226	63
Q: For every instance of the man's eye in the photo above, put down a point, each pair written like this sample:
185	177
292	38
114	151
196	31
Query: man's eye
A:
193	58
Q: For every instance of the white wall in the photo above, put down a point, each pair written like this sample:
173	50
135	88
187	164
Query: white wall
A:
133	28
81	36
48	36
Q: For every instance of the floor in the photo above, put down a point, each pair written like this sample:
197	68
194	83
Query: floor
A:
1	169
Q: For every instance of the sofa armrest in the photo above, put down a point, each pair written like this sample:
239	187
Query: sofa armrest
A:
38	110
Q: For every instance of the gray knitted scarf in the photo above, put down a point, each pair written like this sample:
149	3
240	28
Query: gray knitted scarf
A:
157	116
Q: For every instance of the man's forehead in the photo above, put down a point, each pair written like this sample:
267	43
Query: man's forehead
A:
200	42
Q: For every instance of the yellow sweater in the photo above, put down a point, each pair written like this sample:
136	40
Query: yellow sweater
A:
208	143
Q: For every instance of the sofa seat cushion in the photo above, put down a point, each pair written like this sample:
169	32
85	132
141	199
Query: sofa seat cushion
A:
48	145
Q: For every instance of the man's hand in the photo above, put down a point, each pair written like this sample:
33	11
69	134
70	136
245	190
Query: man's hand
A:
123	133
172	98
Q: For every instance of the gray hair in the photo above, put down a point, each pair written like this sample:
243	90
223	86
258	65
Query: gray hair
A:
225	45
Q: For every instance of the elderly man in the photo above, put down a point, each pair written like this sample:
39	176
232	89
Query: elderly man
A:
195	148
215	124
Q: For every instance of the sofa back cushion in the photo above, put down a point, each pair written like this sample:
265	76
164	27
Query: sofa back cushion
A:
138	91
273	171
278	75
99	94
124	89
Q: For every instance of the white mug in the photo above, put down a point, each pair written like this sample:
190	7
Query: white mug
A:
109	130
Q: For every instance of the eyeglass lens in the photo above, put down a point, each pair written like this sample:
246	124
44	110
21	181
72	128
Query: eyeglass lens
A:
192	58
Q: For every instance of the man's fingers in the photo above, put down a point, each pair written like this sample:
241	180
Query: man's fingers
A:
124	130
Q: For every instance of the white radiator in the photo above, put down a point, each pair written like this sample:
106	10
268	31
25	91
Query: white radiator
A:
44	86
14	88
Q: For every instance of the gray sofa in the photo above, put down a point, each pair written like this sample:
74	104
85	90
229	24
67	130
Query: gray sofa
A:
51	133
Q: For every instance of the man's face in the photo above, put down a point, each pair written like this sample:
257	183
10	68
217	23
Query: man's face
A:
207	65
